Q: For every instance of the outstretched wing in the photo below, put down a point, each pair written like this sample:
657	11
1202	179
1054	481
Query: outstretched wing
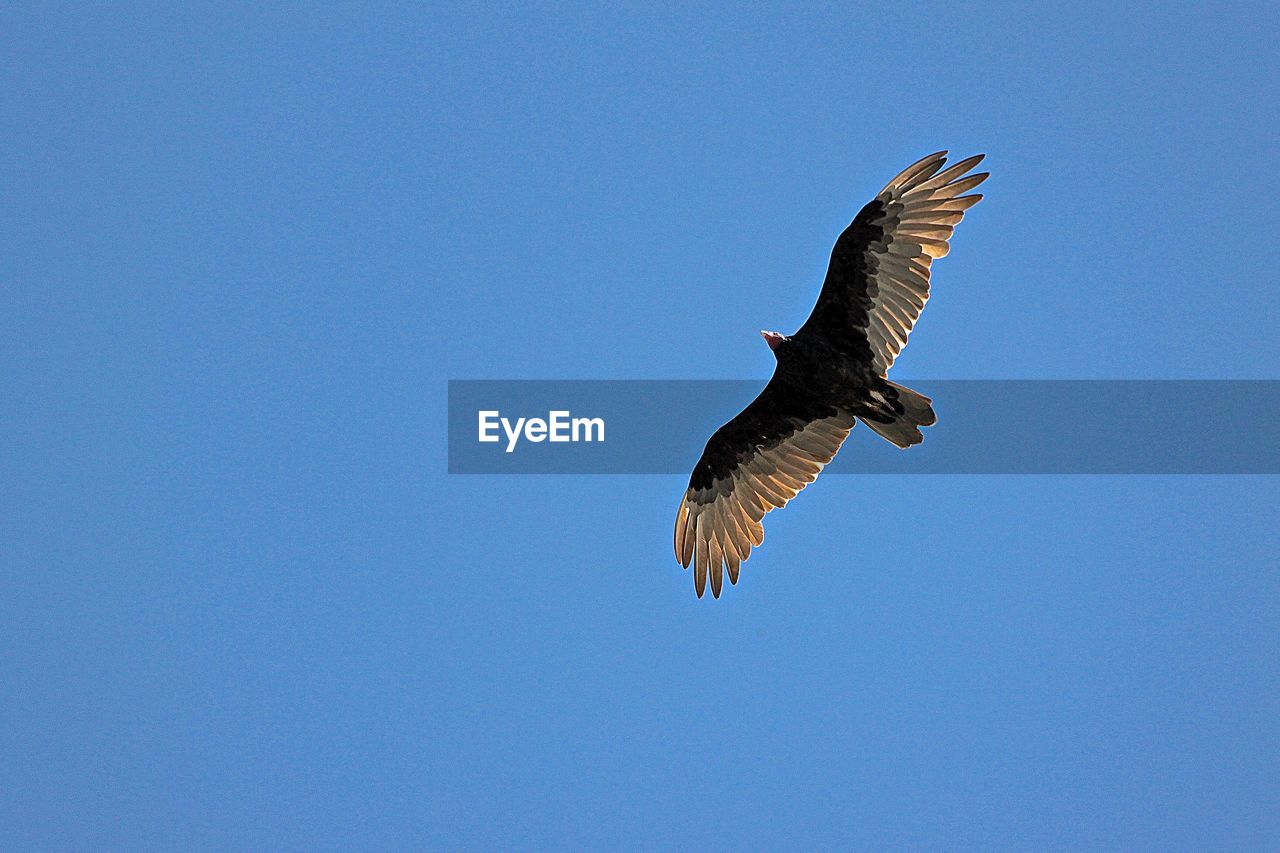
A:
756	462
878	279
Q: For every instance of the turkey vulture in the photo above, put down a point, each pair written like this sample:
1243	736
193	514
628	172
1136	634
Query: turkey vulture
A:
831	373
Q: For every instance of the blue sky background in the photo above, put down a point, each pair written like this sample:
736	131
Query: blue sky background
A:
242	605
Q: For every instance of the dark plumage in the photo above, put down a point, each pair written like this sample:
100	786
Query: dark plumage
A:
831	373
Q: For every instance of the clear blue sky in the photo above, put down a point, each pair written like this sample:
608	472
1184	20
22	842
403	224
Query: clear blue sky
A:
243	606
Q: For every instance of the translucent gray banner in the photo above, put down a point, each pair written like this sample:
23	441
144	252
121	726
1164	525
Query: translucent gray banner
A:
984	427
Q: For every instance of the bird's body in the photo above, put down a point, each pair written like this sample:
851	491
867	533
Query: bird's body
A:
830	374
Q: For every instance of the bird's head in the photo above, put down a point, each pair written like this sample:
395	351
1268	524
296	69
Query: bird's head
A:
774	340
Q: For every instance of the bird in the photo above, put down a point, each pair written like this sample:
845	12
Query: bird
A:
831	373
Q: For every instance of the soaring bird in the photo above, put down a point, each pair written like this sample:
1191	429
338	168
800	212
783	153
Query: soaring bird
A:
831	373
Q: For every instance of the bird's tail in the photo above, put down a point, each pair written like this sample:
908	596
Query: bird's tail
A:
904	412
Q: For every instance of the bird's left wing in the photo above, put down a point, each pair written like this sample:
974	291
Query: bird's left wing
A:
878	279
755	463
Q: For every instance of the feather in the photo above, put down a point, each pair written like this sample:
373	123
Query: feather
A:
951	173
927	216
932	248
920	169
716	562
965	184
682	519
931	232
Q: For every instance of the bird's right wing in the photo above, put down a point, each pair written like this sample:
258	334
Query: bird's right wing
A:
755	463
878	279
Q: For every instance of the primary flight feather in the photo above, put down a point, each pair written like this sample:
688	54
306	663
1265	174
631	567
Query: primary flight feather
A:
831	373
